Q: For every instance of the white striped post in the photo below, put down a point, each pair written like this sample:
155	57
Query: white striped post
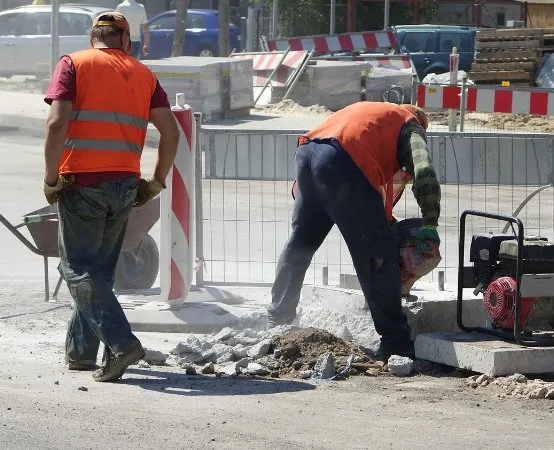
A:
177	212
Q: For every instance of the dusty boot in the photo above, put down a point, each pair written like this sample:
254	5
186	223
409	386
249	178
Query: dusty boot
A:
82	366
115	365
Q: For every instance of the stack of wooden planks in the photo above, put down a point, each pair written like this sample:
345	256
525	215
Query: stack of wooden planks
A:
510	55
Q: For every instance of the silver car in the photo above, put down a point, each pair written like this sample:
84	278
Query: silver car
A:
25	36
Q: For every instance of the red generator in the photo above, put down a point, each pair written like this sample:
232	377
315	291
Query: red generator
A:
511	271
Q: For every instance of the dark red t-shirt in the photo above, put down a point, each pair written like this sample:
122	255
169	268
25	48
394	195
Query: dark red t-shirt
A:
63	86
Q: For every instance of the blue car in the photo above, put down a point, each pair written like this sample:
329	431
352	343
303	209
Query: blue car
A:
201	38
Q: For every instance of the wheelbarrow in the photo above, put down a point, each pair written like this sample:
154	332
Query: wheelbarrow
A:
138	264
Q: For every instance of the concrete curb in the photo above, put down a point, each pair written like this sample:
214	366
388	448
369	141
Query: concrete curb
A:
342	312
432	311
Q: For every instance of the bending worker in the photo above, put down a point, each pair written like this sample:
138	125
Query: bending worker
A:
346	169
101	102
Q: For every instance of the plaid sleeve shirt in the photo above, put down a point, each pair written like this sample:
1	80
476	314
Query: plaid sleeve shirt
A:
414	158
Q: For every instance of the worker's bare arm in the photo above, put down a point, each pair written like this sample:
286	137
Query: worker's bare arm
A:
56	129
164	121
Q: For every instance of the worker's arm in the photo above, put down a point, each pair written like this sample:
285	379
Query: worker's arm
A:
146	43
414	156
164	121
56	130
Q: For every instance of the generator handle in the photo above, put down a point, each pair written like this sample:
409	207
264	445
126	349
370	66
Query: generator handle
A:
519	267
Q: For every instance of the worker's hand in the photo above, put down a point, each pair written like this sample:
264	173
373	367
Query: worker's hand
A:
147	190
52	193
427	234
145	49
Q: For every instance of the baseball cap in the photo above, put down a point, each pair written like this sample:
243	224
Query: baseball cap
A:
111	19
419	113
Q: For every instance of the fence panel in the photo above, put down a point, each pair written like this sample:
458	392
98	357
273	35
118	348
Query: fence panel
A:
247	200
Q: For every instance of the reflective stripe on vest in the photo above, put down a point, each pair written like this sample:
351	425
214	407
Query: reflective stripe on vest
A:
102	144
85	115
109	116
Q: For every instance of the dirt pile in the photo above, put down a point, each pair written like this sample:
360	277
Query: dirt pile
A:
289	107
498	121
298	351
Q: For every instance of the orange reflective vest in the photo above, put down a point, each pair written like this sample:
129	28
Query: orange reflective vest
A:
368	132
110	114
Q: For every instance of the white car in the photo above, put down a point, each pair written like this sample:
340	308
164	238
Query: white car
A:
25	36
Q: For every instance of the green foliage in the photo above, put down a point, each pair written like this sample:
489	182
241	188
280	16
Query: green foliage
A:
303	17
308	17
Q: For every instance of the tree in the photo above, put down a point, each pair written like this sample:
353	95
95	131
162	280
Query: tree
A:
224	19
180	28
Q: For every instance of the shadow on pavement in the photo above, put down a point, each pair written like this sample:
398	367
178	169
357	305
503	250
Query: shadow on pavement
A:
203	385
31	313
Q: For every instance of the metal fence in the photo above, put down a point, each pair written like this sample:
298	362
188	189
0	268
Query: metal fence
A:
247	204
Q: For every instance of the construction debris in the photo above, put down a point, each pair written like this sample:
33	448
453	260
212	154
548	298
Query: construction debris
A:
516	385
400	366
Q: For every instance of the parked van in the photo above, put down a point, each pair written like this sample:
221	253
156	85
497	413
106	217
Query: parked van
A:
430	46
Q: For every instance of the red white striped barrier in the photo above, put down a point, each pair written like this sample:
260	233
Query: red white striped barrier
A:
389	62
177	212
264	63
365	40
486	99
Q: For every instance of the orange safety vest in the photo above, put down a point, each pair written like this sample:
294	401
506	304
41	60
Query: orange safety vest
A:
368	132
110	115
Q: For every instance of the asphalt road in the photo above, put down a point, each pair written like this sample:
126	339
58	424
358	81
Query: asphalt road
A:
41	405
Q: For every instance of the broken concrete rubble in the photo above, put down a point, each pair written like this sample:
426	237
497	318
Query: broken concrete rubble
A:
260	349
325	367
154	357
401	366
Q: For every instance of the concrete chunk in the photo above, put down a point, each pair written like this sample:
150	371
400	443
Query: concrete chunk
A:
401	366
484	354
154	357
325	367
260	349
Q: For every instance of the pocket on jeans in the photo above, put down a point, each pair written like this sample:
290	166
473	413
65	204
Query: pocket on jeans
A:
130	193
86	203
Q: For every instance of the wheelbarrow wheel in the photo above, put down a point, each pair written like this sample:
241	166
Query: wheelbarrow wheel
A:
138	268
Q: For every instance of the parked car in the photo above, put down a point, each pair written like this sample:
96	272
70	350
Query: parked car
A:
201	38
430	46
25	36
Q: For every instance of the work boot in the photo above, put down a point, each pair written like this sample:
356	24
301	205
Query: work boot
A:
115	365
276	320
82	366
385	352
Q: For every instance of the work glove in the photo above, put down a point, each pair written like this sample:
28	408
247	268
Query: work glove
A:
147	190
52	193
427	233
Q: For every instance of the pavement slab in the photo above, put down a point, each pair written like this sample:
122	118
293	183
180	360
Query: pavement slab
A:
484	354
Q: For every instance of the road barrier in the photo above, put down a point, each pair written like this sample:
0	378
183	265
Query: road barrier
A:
177	212
366	40
486	99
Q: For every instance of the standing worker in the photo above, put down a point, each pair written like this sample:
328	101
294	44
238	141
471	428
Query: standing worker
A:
135	14
101	102
346	169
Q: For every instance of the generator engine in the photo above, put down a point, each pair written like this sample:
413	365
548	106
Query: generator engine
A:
494	258
515	274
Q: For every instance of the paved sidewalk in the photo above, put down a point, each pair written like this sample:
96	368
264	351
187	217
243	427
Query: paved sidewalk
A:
28	113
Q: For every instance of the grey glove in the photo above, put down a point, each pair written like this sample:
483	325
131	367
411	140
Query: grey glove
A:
52	193
147	190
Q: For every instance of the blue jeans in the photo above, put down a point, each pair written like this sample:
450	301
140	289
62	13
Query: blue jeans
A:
135	49
92	223
331	189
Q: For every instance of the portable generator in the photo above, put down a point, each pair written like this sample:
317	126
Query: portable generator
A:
511	271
